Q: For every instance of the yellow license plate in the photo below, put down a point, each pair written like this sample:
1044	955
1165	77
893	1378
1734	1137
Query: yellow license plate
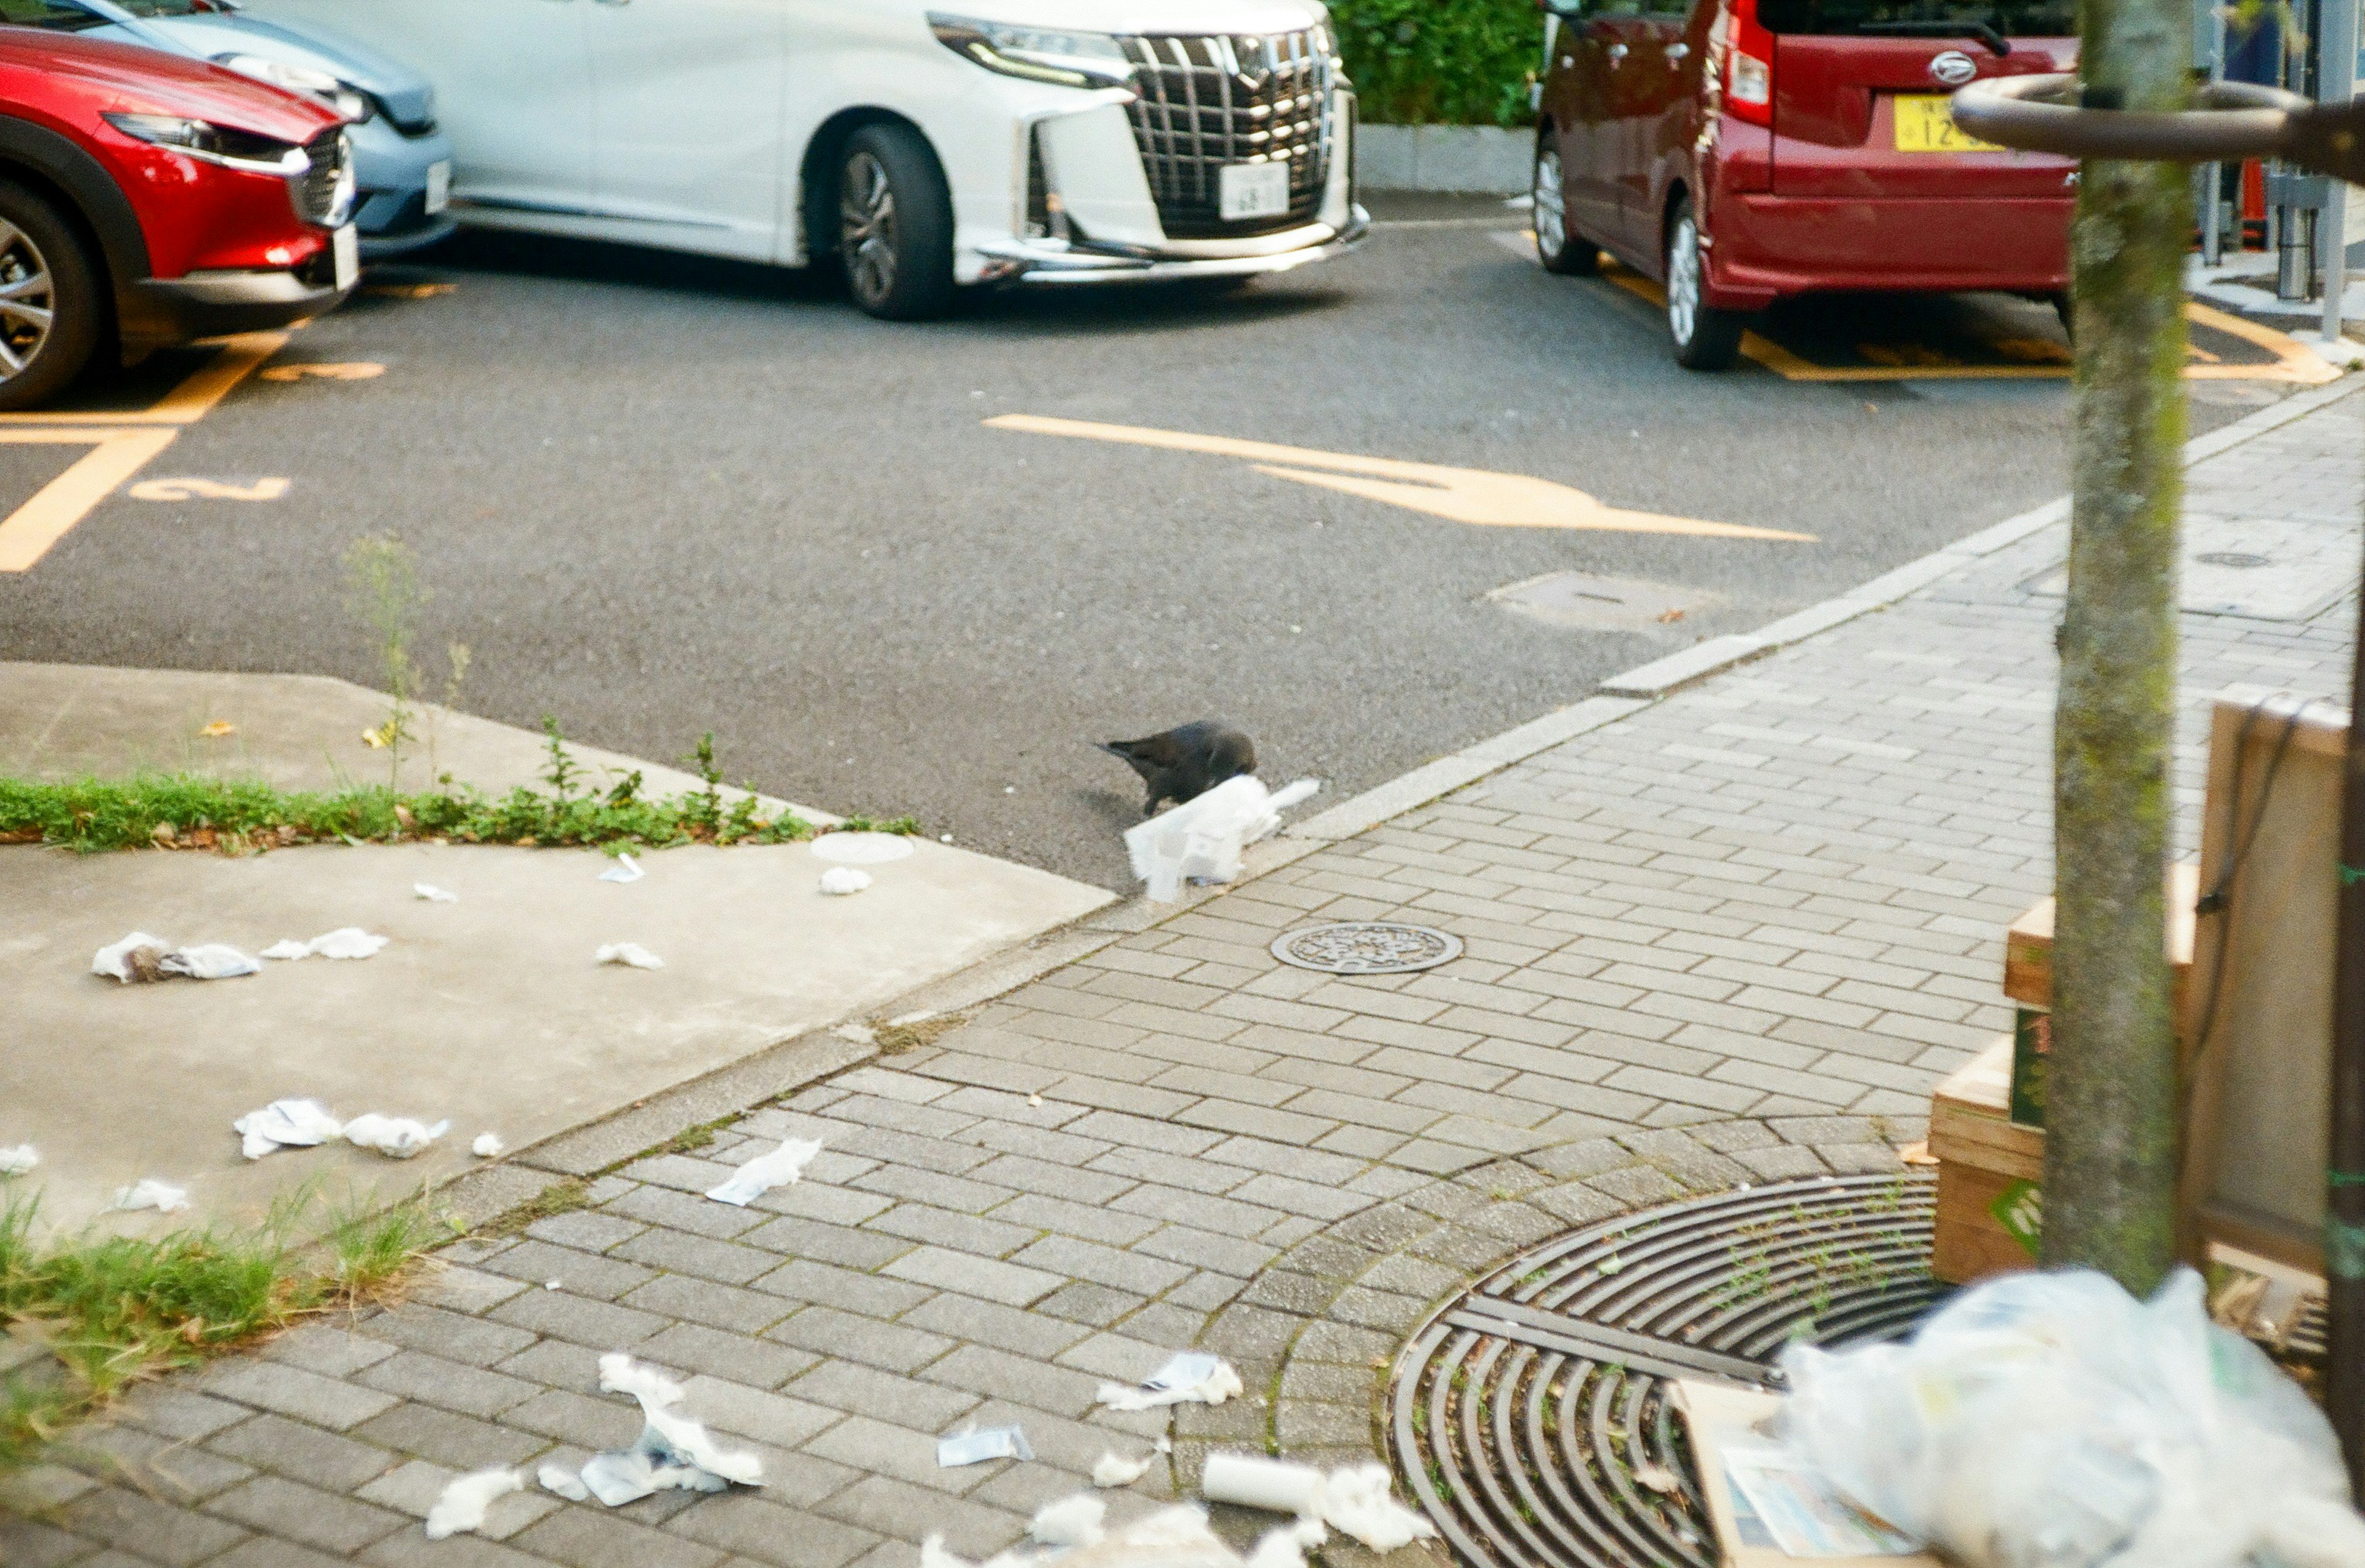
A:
1925	123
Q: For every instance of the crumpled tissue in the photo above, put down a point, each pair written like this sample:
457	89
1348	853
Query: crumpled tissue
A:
1188	1377
486	1146
1354	1500
463	1503
344	942
760	1175
286	1123
148	1192
840	881
19	1159
397	1138
1113	1470
206	960
631	953
673	1451
1073	1532
1202	839
434	894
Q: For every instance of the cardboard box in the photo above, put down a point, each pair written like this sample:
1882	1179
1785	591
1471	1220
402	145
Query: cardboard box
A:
1714	1414
1989	1169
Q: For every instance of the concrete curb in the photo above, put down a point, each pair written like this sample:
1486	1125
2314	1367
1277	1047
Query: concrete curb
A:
1639	687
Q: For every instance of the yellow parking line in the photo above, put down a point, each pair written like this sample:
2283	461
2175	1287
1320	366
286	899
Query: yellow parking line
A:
2294	361
192	400
26	533
1465	495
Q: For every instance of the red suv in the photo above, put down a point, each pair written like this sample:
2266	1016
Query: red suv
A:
147	199
1741	150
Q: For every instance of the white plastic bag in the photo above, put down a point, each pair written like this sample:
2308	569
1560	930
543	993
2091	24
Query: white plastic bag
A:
2050	1420
1202	839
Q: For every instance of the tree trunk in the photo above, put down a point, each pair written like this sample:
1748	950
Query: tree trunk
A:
2111	1110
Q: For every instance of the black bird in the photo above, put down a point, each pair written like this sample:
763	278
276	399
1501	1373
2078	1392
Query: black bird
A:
1186	761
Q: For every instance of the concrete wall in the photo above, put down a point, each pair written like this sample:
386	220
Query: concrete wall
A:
1482	158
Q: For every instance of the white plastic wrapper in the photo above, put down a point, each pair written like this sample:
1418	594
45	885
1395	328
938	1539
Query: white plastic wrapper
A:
1355	1500
344	942
630	953
2050	1420
148	1192
566	1483
626	869
286	1124
840	881
760	1175
208	960
396	1137
674	1452
1189	1377
977	1447
462	1505
1072	1533
1201	840
17	1159
434	894
109	960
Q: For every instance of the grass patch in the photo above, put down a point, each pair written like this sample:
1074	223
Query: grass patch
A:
558	1198
115	1310
911	1034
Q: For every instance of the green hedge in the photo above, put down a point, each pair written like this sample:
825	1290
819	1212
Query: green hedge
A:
1441	61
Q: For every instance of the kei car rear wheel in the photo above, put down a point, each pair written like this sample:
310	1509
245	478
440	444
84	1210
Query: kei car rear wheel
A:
51	312
1559	247
1704	337
895	225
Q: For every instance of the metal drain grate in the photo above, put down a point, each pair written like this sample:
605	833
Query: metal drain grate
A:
1367	947
1530	1417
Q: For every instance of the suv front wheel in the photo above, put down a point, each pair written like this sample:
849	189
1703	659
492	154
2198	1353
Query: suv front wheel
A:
895	224
1704	337
49	307
1560	248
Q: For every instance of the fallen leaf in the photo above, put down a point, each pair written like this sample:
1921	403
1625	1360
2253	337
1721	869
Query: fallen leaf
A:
218	729
1668	617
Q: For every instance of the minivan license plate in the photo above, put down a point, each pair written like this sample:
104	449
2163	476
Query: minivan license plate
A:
1252	190
345	247
1925	123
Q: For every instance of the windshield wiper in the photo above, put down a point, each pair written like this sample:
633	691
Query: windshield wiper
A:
1984	31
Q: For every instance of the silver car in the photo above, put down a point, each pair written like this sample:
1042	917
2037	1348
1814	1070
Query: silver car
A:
402	162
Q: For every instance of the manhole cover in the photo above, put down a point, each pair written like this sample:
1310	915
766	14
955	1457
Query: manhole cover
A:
1582	601
2233	558
1367	947
1530	1417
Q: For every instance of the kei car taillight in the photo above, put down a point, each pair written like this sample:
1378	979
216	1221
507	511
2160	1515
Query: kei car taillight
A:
1748	65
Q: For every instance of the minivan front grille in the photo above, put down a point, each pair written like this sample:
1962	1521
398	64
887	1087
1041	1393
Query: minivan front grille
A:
1205	101
325	193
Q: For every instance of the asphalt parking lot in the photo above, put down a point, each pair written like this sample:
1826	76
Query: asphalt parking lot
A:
913	568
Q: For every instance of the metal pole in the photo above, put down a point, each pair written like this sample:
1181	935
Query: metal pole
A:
2344	1228
2212	226
2335	84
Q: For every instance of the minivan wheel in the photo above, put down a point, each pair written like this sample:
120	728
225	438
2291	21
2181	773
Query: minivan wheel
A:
895	224
1704	337
1557	247
51	312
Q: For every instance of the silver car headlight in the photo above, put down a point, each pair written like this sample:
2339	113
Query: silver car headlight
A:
343	96
1038	54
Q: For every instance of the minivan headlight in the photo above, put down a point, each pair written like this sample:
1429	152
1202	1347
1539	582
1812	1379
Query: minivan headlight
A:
343	96
1038	54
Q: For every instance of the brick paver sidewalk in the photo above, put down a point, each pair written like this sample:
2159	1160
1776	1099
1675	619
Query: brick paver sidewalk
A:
1734	936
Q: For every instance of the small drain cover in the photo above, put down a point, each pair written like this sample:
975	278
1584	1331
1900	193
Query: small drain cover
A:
1585	603
1367	947
1531	1418
2261	568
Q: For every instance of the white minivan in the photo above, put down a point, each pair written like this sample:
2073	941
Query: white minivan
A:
1027	141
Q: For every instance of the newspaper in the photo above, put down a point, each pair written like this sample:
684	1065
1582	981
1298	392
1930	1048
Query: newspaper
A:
1797	1507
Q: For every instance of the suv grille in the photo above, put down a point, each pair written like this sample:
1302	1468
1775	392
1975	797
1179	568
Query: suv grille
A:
1211	100
325	193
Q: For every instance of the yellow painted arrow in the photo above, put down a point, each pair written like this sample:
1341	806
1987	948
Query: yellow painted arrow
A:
1465	495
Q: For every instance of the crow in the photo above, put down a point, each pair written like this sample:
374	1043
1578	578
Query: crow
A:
1186	761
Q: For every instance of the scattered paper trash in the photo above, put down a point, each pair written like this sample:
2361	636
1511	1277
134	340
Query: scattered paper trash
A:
208	960
345	942
625	869
463	1503
840	881
434	894
115	960
1071	1521
1202	839
1073	1533
673	1452
286	1124
630	953
486	1146
1110	1470
19	1159
977	1447
766	1171
2051	1418
396	1137
552	1285
861	848
1354	1500
1188	1377
148	1192
145	957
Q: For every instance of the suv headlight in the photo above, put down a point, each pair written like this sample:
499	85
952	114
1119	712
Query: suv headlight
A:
1038	54
225	145
343	96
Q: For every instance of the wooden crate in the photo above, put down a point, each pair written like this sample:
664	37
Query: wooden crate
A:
1985	1160
2028	945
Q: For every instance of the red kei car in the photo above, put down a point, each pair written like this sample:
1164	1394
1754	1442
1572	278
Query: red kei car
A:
148	199
1743	150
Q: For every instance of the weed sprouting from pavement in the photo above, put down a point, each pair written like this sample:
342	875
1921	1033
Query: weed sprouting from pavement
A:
385	594
563	773
558	1198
